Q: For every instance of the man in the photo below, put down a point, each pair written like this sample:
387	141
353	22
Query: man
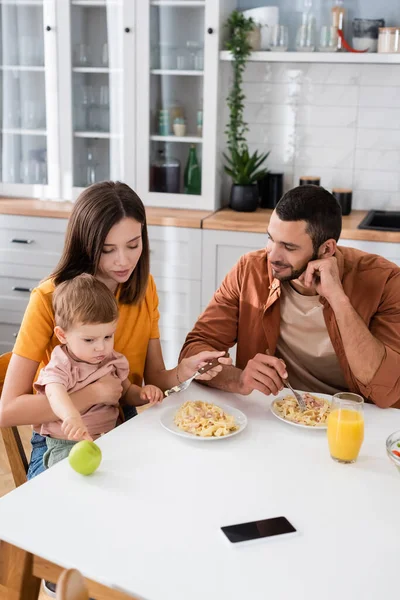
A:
326	316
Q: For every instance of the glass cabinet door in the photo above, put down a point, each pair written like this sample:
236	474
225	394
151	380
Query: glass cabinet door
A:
99	33
172	115
25	140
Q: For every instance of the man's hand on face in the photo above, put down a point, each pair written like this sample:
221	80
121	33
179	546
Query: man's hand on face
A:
324	276
263	373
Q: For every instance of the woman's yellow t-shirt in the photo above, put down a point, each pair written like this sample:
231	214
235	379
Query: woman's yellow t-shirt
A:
137	324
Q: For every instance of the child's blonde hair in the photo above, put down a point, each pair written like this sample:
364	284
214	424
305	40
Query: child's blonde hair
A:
83	300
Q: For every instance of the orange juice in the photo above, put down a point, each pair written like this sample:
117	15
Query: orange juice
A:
345	434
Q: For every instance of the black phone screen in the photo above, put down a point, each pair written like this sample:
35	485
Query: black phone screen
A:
258	529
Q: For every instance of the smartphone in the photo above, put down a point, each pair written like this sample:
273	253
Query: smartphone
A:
256	530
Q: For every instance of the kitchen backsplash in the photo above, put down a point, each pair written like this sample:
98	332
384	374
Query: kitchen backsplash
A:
340	122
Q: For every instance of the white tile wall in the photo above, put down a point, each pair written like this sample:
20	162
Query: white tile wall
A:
341	122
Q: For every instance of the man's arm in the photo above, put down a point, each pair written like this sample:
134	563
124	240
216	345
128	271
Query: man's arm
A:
364	352
216	329
373	352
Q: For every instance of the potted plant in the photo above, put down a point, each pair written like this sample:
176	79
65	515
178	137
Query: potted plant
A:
244	168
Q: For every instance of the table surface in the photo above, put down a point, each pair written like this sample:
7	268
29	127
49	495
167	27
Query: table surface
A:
148	521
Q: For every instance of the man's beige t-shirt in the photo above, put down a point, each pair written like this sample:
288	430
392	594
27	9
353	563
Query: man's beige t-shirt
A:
305	346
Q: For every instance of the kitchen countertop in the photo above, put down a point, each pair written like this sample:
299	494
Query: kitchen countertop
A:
174	217
225	219
257	222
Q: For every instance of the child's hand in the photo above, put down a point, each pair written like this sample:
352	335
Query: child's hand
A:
152	394
75	429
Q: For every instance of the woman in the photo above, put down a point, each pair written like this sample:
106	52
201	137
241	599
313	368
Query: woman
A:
106	237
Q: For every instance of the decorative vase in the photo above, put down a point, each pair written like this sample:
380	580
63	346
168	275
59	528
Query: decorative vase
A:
244	198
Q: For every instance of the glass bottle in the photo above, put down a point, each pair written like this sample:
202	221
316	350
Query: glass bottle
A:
306	33
192	177
338	12
165	173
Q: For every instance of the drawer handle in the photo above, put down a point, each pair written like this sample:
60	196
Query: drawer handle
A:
17	288
21	241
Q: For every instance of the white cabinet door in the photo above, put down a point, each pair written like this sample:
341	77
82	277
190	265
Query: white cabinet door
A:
97	92
221	251
29	148
175	263
175	252
177	75
390	251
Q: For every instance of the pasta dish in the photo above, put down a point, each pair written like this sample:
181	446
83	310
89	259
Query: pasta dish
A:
204	419
315	415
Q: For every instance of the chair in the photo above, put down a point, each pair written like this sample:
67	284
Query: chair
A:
71	586
11	438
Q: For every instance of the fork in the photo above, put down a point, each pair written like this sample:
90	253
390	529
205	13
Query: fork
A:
299	398
185	384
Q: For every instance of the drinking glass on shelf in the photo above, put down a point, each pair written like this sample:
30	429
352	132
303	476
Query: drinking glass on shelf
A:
183	59
81	55
195	56
346	427
168	56
104	55
27	50
91	167
279	38
328	39
305	38
30	115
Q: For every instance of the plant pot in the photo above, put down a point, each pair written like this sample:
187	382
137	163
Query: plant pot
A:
244	198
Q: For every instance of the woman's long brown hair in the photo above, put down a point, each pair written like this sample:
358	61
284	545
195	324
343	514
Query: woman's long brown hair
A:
97	209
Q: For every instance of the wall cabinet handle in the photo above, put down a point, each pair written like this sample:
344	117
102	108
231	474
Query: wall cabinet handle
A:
210	30
17	288
48	28
21	241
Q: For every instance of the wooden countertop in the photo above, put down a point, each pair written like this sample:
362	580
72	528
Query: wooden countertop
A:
222	220
257	222
61	210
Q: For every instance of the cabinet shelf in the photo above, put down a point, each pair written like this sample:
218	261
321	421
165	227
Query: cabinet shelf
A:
177	72
90	2
319	57
21	68
21	2
188	139
105	135
178	3
18	131
94	70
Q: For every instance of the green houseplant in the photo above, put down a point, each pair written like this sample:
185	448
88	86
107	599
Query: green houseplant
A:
244	168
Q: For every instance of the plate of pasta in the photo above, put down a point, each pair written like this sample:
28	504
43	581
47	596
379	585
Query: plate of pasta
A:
203	420
315	416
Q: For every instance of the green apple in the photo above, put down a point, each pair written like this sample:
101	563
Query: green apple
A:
85	457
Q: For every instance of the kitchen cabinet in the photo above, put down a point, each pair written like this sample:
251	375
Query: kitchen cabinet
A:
90	90
177	75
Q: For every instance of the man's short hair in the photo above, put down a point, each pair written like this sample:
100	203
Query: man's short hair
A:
83	300
317	207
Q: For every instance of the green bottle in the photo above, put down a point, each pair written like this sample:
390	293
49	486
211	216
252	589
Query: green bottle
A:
192	177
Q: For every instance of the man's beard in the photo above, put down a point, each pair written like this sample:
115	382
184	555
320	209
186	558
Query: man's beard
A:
295	273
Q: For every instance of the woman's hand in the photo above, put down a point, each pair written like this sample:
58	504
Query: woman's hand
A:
108	390
188	366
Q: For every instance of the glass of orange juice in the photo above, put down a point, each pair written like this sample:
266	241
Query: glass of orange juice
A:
346	427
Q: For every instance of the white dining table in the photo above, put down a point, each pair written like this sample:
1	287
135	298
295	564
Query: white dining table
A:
148	521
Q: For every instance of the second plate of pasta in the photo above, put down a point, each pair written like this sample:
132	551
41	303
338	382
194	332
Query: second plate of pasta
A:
203	421
285	408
